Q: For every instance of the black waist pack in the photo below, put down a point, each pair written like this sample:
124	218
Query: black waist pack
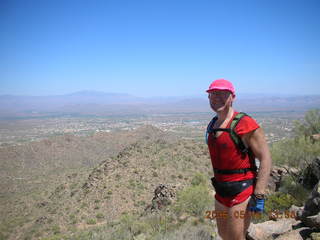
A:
229	189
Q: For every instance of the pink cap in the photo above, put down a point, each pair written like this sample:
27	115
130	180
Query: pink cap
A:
221	84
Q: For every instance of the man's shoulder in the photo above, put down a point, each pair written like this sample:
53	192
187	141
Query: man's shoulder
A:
246	124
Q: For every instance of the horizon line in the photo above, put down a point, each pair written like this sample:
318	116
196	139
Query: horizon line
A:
159	96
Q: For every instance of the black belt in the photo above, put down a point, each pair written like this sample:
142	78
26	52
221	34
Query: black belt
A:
230	189
234	171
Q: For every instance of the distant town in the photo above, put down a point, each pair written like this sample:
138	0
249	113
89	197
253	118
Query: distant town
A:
277	125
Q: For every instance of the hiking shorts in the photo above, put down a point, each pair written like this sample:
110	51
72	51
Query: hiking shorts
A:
234	200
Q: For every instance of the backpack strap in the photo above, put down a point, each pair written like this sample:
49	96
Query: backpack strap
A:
234	136
210	126
236	139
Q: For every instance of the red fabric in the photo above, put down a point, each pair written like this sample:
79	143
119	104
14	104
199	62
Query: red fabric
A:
226	155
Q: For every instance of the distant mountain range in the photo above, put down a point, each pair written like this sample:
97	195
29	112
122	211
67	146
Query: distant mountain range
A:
95	103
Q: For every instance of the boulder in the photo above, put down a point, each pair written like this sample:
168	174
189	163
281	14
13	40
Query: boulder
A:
298	234
164	195
315	137
270	229
309	214
313	221
310	176
315	236
276	175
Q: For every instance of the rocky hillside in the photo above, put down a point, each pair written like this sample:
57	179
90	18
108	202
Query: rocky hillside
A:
65	194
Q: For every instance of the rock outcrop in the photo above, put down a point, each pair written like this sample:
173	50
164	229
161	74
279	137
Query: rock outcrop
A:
164	195
270	229
307	222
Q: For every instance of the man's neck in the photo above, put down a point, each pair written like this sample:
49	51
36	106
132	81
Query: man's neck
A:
225	114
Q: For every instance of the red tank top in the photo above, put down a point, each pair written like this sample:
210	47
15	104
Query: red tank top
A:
226	155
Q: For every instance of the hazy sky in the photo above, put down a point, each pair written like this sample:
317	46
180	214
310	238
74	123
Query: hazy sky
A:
159	47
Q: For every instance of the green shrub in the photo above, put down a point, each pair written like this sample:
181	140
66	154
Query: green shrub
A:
291	186
187	158
129	226
297	152
279	201
142	203
3	236
199	179
140	186
84	205
91	221
159	223
56	229
55	237
300	150
310	125
194	200
132	184
99	216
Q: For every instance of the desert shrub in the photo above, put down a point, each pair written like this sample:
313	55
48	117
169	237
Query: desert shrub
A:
91	221
56	229
300	150
55	237
297	152
72	217
190	232
159	223
99	216
193	200
129	226
2	236
199	179
310	125
290	185
279	201
132	183
187	158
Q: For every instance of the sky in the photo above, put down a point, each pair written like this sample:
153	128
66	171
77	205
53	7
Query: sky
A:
159	47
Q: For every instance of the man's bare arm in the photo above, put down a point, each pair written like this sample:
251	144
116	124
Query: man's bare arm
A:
258	144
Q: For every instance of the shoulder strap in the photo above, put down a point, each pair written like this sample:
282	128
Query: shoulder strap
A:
209	127
234	136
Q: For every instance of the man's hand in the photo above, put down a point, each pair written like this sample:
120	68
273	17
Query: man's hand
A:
255	204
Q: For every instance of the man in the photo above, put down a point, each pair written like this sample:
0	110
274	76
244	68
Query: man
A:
239	186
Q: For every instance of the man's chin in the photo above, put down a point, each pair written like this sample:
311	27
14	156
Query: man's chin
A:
219	109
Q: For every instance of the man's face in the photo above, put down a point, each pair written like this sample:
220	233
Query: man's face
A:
220	99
